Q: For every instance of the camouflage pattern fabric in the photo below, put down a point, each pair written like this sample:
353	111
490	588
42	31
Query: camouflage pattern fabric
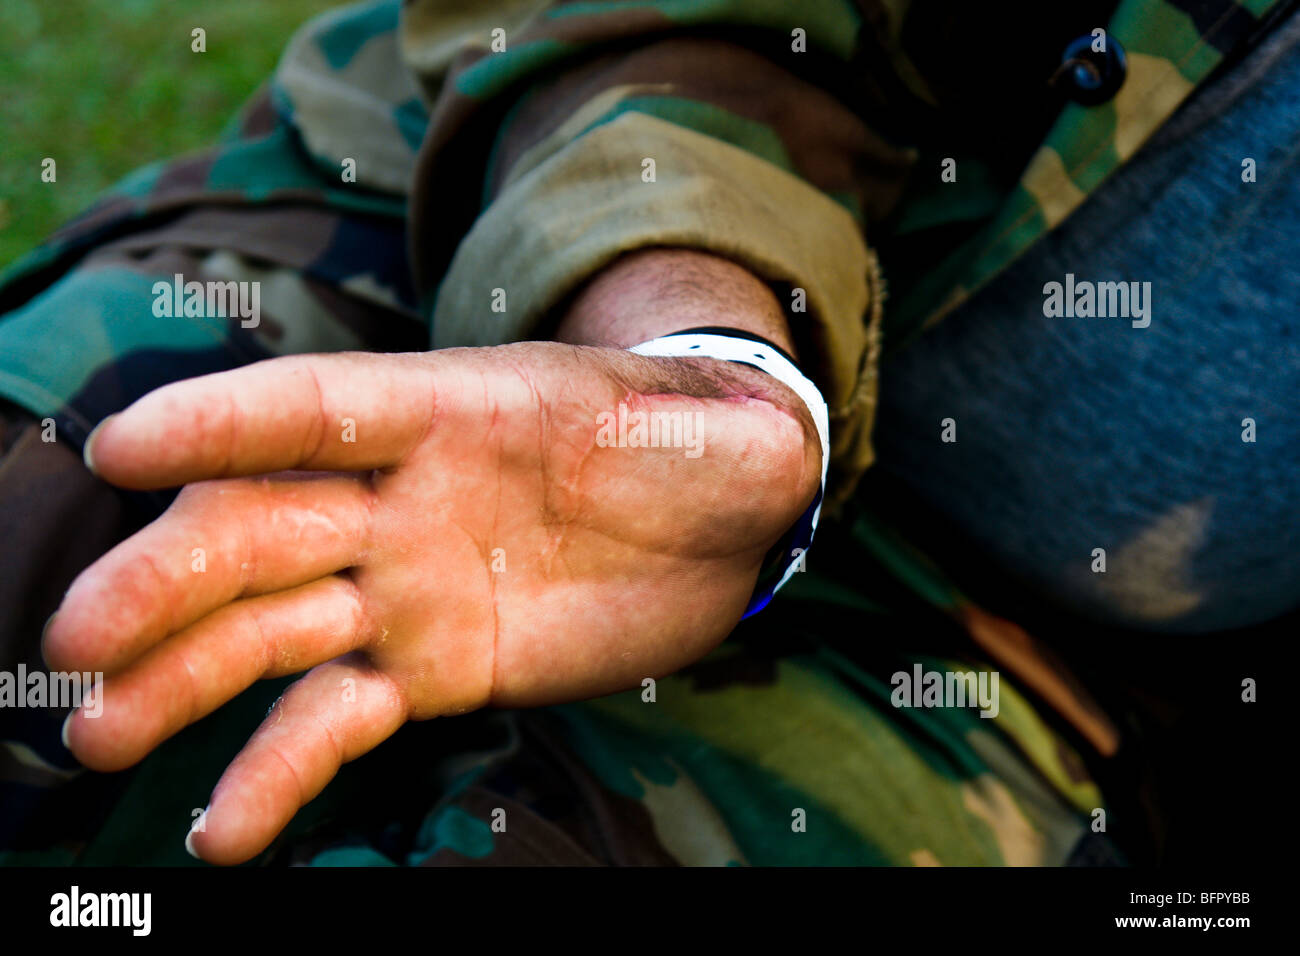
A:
795	149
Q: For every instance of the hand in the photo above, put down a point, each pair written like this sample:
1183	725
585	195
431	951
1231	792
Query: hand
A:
477	543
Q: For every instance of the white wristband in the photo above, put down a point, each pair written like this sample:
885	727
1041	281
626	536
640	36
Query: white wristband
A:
762	356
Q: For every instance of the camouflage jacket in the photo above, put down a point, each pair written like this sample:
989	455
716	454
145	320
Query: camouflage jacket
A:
408	161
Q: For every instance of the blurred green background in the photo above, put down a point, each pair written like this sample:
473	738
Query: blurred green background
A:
106	86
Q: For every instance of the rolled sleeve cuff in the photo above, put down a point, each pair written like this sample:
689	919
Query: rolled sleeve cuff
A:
559	223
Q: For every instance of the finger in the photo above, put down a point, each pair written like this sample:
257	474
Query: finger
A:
316	412
219	541
336	713
211	662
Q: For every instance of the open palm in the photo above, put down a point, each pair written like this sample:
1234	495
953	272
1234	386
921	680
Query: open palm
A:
423	534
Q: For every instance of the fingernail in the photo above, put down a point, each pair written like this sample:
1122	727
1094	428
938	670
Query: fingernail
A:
46	629
86	450
63	734
189	837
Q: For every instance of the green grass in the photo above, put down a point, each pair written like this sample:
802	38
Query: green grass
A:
106	87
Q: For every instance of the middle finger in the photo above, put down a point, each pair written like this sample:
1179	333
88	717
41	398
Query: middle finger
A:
219	541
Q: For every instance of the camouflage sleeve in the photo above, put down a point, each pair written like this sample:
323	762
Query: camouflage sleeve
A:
609	127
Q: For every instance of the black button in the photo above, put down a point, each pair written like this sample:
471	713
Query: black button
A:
1088	76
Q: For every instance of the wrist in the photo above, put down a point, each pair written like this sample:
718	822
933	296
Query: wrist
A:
655	292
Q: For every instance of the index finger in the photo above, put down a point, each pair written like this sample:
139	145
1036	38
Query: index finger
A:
341	412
